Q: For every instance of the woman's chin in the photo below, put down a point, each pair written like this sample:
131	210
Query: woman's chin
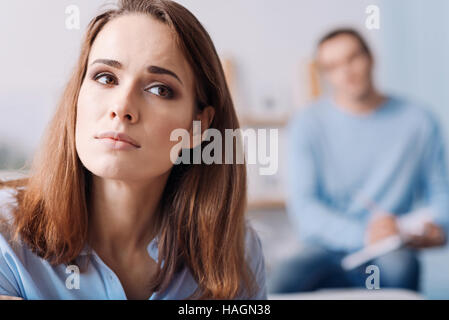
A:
117	173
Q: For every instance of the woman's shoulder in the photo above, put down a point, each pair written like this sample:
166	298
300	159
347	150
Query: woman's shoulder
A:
10	249
253	243
256	260
8	202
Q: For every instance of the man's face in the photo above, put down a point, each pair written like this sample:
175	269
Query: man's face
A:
346	66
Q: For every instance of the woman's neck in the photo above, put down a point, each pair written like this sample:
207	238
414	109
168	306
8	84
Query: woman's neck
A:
123	215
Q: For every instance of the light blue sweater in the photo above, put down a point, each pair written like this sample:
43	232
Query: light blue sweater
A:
340	162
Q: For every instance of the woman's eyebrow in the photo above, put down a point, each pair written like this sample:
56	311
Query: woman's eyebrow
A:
159	70
150	69
111	63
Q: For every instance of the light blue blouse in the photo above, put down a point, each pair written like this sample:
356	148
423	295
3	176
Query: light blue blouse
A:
26	275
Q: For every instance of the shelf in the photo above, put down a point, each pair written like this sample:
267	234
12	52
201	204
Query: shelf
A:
263	122
266	204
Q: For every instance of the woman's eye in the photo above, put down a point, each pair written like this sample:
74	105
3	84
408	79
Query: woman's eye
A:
161	91
105	79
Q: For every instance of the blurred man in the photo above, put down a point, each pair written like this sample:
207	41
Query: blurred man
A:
358	161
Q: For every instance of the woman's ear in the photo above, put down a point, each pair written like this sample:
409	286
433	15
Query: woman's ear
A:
205	117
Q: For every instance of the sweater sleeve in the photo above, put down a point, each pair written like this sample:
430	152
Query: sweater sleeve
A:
434	176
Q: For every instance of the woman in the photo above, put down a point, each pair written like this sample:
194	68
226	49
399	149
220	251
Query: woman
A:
104	212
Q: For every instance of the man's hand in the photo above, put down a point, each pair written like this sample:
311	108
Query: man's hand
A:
433	236
381	228
9	298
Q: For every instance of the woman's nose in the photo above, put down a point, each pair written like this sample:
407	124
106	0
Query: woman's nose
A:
125	107
123	115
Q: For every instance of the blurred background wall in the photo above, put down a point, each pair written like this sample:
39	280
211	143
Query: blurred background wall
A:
269	46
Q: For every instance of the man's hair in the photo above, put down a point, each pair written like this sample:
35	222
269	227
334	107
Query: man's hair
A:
347	31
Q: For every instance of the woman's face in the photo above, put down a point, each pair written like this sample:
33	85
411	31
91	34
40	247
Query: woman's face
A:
138	83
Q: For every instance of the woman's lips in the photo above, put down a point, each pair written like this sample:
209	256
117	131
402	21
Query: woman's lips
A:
116	144
117	140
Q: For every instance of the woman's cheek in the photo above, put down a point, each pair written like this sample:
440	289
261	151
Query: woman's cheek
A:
162	134
87	112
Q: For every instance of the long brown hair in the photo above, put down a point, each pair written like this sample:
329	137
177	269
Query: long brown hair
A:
201	216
